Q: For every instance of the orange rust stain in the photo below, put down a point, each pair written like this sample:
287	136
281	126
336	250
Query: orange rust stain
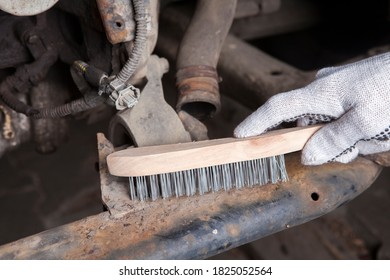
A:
233	230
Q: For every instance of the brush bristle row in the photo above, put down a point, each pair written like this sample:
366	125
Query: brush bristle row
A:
206	179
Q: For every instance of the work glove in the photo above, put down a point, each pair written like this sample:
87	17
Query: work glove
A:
354	102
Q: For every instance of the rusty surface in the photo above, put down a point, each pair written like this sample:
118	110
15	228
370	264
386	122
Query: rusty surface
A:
198	91
117	17
190	85
114	191
196	71
199	226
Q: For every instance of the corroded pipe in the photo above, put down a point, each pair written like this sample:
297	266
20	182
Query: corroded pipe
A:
198	55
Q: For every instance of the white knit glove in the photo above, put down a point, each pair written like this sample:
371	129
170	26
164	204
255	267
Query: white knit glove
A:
355	97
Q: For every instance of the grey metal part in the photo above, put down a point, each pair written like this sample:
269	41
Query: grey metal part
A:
49	133
26	7
152	121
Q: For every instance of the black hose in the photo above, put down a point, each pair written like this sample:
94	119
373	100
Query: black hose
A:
9	98
89	101
8	88
24	78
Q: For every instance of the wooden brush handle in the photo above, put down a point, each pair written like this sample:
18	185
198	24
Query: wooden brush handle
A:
151	160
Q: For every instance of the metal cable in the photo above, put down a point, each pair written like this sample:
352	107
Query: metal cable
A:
73	107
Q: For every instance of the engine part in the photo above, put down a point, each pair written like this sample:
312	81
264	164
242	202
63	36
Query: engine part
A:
117	87
198	56
23	80
198	91
248	74
118	20
119	82
48	133
196	128
152	121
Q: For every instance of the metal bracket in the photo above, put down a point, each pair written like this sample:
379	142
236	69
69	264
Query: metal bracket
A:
153	121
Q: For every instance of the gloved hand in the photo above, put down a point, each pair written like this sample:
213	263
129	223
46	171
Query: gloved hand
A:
355	97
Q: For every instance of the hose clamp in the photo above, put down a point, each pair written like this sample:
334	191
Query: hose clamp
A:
124	95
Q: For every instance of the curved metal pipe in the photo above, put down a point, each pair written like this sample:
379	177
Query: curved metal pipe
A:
198	55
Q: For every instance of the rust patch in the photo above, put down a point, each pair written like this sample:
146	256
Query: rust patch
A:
117	17
233	230
198	84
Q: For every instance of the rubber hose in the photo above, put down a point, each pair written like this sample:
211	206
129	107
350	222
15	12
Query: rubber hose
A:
9	99
73	107
139	42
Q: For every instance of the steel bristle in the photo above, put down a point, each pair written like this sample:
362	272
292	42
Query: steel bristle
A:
209	179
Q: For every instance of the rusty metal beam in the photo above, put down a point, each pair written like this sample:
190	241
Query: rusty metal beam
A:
251	76
200	226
